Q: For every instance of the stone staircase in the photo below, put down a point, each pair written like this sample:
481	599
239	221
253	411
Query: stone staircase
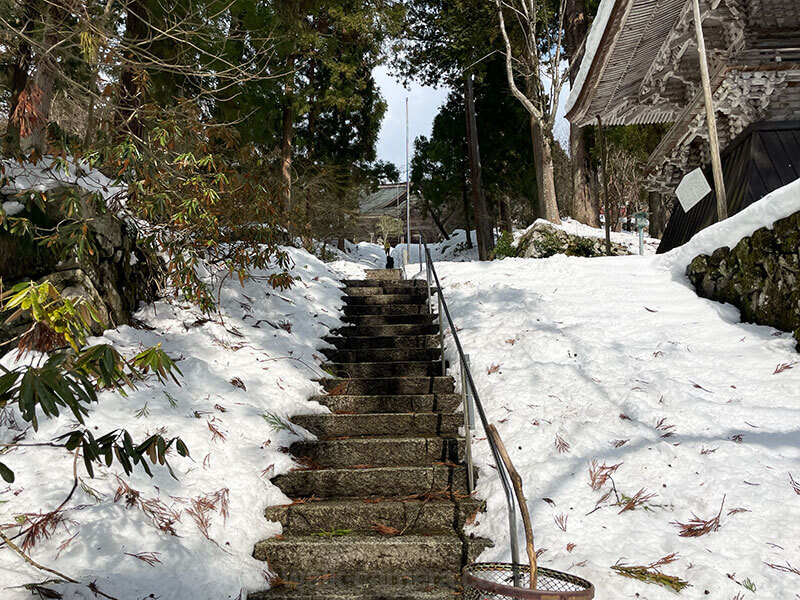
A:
379	510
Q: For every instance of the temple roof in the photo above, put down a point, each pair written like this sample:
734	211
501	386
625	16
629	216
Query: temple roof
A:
641	63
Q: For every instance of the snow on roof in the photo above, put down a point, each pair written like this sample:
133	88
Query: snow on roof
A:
775	206
49	173
592	44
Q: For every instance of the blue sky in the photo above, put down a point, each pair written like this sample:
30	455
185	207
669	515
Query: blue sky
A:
423	104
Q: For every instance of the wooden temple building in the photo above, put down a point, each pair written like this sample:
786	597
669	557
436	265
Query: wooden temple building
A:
641	65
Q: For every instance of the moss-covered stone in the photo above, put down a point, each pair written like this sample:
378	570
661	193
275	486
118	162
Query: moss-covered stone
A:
115	277
760	275
544	240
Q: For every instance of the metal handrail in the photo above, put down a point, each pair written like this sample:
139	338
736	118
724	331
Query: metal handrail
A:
467	378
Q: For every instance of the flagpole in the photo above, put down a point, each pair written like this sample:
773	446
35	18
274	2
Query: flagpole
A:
408	192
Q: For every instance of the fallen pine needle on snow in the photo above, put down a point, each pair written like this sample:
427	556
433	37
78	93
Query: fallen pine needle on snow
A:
697	526
652	574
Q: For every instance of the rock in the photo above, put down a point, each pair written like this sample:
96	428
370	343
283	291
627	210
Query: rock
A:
760	276
544	239
115	279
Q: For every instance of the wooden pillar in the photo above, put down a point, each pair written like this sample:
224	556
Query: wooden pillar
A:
713	140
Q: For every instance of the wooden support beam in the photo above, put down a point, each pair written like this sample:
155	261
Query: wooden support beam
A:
711	119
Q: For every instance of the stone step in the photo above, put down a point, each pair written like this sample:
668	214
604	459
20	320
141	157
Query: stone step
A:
383	355
440	552
404	341
391	424
372	482
386	288
384	369
373	320
385	309
409	283
387	330
380	451
409	516
389	385
359	404
367	586
385	299
384	274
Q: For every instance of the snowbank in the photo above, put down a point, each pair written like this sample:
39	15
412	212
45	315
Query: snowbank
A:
775	206
613	360
48	174
194	537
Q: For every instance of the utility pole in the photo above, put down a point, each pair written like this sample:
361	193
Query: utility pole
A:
483	227
408	193
713	140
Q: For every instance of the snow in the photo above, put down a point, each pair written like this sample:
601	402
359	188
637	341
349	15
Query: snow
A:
629	239
594	351
12	208
268	340
592	45
777	205
601	350
49	173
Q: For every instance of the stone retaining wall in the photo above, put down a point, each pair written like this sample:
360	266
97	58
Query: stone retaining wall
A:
760	276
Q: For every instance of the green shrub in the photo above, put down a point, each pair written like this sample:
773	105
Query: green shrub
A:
505	246
548	244
581	246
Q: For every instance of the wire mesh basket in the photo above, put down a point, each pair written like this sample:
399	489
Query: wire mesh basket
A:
495	581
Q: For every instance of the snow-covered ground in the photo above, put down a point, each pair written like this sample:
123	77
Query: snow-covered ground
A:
256	359
613	360
455	249
616	362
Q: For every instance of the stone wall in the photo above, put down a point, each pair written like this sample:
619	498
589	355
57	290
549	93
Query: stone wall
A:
760	276
116	278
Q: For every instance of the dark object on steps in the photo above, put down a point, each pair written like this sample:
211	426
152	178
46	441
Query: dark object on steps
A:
389	259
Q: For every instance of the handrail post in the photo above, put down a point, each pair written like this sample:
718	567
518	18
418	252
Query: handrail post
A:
419	249
441	331
469	424
469	385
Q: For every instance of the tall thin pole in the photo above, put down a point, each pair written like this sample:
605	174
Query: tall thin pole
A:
483	227
604	164
408	192
713	140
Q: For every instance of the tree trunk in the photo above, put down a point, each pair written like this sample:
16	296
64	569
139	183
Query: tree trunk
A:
44	79
545	176
465	198
483	226
19	78
440	226
657	214
130	96
505	215
586	204
586	207
288	134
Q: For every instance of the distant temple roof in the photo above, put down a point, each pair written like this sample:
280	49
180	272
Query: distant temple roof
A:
641	66
388	199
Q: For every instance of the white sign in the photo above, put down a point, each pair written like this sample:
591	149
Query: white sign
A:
692	188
